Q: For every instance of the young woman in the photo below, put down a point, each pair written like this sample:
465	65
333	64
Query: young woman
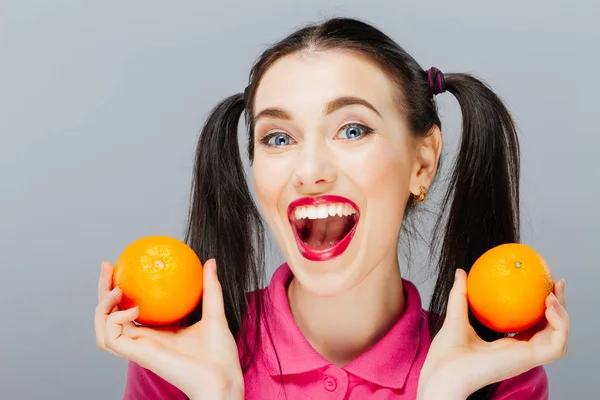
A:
345	143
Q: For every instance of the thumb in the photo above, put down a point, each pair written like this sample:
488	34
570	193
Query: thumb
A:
458	308
212	301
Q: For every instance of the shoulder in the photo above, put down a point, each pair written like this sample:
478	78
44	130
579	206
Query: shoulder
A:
530	385
145	384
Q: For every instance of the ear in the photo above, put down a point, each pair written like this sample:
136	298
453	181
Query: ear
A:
427	155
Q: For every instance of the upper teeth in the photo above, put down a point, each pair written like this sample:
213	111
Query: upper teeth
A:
324	211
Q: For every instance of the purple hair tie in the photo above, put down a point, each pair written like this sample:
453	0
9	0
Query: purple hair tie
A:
436	80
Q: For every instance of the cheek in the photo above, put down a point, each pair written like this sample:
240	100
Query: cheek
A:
268	184
383	180
384	174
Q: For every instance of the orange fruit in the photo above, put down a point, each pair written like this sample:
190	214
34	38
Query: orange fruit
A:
162	276
507	288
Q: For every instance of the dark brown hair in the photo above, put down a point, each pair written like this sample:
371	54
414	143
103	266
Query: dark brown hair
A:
480	207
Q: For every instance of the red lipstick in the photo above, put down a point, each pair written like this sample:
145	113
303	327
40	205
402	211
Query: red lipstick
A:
336	249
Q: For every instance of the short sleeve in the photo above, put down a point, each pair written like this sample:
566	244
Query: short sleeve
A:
530	385
143	384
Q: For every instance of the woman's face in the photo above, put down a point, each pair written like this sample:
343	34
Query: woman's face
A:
334	166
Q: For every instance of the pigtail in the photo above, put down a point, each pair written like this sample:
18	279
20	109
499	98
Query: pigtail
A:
223	222
482	201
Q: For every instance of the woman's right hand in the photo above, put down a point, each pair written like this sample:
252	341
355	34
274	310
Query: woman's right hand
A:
201	360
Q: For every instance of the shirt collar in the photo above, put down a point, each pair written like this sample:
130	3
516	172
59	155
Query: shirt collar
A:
387	363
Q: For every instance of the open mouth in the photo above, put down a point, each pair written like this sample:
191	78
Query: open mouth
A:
323	226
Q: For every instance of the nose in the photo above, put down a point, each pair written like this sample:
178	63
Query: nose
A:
315	170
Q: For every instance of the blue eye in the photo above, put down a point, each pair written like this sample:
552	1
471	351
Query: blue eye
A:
279	140
353	131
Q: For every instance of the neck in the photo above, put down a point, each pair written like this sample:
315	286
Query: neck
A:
341	328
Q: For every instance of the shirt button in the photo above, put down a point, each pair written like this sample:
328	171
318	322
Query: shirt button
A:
330	383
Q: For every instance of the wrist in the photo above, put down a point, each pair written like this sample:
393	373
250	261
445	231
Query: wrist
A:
437	393
223	389
440	386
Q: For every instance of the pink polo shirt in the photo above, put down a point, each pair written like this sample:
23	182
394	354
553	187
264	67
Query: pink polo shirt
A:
388	370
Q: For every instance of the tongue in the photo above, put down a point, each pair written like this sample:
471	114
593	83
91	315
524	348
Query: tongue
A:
324	233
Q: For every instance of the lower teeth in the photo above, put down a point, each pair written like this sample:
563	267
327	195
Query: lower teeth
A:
319	243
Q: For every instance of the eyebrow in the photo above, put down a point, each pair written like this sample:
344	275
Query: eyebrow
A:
330	107
342	102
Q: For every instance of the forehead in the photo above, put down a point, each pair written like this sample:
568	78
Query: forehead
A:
317	77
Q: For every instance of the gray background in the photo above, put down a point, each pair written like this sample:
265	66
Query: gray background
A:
101	103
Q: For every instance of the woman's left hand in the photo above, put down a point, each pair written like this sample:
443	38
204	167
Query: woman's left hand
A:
459	362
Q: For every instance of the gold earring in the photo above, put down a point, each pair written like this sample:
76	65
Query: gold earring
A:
421	196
